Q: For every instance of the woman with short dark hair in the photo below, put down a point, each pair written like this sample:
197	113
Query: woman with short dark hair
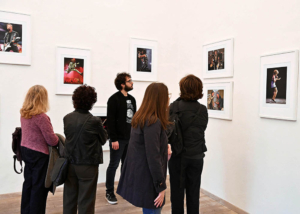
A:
186	167
143	178
85	136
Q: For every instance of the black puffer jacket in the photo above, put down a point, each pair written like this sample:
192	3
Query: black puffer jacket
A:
193	134
88	149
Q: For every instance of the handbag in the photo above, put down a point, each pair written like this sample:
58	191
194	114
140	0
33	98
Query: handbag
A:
60	169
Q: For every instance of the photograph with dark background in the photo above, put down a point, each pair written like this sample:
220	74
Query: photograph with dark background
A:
144	59
281	86
17	45
216	59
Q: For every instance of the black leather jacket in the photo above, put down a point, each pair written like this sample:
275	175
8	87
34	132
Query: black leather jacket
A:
88	149
14	36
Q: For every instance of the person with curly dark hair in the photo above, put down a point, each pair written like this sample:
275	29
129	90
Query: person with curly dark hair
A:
121	107
85	136
186	167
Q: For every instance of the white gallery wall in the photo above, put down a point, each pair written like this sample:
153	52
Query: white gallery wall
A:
104	27
251	162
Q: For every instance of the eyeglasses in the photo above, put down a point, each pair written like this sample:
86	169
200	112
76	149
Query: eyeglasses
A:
129	81
170	95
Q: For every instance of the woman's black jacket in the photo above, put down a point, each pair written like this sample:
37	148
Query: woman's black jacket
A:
88	149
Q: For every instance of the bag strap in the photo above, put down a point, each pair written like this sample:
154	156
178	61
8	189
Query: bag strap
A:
79	136
15	158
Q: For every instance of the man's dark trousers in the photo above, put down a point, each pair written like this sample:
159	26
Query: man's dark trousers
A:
115	157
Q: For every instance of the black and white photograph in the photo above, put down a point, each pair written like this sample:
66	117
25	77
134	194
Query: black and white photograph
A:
216	59
276	85
144	59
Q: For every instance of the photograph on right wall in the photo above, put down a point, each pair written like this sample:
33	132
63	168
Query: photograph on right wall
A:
278	87
218	59
217	97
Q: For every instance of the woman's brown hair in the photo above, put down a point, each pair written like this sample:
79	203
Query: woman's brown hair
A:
191	88
154	106
36	102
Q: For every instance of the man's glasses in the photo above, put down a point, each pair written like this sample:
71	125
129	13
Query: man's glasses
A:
129	81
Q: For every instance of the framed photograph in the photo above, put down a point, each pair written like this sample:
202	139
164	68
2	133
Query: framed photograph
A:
15	38
73	69
218	59
143	60
278	86
218	99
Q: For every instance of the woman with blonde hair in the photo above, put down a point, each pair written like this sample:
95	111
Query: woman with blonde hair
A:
273	84
143	177
37	134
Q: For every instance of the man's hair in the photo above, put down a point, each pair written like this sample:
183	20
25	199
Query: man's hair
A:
84	97
36	102
191	88
121	79
9	24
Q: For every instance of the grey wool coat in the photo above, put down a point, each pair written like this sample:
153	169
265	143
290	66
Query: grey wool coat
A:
144	172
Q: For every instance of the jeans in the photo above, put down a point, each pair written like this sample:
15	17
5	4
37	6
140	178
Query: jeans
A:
115	157
34	193
152	211
185	178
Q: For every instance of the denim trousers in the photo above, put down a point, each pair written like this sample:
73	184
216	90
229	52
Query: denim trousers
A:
152	211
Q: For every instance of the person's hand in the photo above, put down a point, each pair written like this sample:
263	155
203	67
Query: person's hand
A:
12	41
4	45
160	199
115	145
169	151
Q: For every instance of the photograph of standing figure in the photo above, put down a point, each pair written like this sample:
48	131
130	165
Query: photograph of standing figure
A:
276	85
144	59
10	37
215	100
216	59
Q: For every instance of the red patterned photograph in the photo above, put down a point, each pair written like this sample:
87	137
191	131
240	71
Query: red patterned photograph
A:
73	71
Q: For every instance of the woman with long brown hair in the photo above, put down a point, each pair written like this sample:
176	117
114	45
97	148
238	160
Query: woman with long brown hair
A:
143	178
37	134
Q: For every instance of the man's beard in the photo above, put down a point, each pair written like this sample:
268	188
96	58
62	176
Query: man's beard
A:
127	88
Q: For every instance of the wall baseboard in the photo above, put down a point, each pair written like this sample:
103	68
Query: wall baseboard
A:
223	202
